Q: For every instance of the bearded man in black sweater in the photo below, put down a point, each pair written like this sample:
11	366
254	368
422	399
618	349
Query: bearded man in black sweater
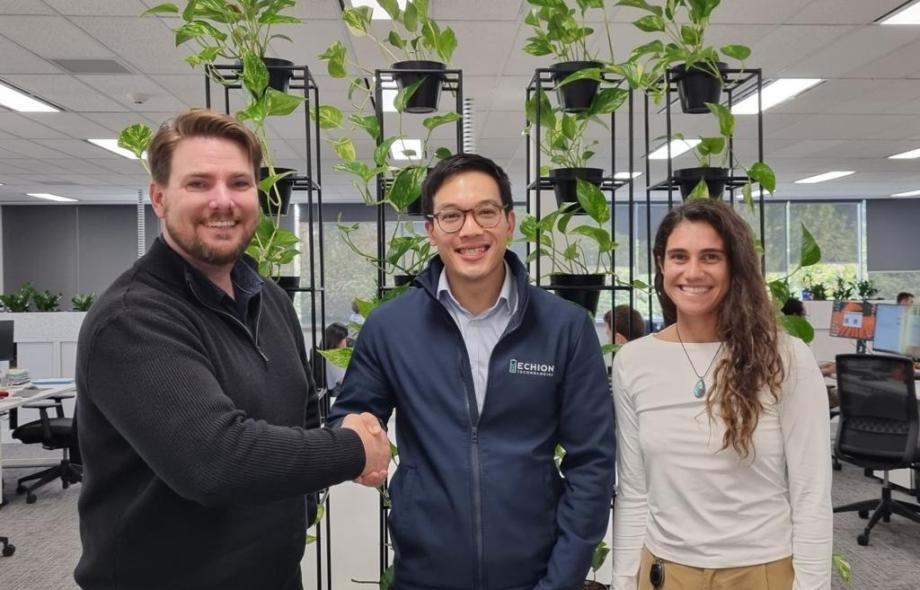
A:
196	414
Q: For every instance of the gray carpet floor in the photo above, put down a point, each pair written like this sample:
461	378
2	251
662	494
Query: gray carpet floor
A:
48	543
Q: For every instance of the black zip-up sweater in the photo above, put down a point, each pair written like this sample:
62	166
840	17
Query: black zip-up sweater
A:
198	436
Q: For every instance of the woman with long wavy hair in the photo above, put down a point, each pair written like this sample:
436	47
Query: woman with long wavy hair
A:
723	437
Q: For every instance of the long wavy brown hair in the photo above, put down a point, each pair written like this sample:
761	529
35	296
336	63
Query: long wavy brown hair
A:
746	325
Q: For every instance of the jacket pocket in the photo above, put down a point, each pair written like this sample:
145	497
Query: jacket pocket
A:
401	519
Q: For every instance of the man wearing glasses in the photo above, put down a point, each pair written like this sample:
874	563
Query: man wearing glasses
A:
487	374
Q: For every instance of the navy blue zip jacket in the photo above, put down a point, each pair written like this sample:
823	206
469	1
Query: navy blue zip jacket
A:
477	500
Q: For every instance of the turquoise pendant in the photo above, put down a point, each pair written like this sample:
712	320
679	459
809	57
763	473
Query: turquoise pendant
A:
700	389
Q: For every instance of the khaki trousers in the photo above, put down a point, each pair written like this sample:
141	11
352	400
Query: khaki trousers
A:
775	575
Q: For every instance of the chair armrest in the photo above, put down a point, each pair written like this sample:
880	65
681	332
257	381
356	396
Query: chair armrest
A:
40	404
42	407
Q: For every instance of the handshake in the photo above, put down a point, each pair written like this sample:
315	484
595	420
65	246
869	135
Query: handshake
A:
376	447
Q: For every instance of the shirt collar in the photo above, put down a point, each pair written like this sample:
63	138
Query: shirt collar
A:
507	295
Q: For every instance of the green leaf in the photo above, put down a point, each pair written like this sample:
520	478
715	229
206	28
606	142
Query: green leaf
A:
599	235
391	7
593	201
641	285
700	191
547	115
748	195
255	74
739	52
651	23
725	117
395	40
600	555
369	123
844	570
279	19
779	289
410	17
335	56
135	138
405	94
437	121
446	44
809	252
358	20
710	145
442	153
382	152
641	4
340	357
799	327
269	181
166	8
329	117
538	46
569	127
407	186
763	174
257	111
607	101
690	35
345	149
281	104
584	74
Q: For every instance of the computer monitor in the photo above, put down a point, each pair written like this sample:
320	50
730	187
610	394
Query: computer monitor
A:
897	329
853	319
7	346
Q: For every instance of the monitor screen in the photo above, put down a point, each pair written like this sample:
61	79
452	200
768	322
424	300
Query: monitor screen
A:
7	347
898	329
853	319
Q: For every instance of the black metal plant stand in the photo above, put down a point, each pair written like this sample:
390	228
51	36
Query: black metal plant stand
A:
310	182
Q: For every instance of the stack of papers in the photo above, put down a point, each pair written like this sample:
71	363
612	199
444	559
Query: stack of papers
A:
16	377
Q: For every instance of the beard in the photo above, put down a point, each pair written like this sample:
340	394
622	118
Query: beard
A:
219	253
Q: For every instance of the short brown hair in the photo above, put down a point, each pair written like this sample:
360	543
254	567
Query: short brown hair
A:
628	322
198	123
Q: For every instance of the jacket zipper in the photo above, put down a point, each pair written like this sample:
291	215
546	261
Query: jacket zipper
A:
254	338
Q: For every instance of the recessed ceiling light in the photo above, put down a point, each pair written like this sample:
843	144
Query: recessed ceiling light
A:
17	100
678	147
774	93
112	146
908	15
824	177
906	155
626	175
406	149
907	194
50	197
379	13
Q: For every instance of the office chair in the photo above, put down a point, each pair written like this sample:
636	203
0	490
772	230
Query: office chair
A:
878	428
52	434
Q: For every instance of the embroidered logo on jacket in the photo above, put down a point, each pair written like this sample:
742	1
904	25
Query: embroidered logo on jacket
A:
536	369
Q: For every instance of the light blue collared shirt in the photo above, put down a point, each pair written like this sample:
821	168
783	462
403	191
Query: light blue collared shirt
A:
481	332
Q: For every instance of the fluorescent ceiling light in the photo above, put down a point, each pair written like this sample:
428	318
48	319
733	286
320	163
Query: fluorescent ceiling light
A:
50	197
379	13
19	101
406	149
907	194
678	147
906	155
774	93
112	146
626	175
824	177
909	15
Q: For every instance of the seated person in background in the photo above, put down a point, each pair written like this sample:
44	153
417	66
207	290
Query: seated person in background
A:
905	298
629	323
795	307
335	336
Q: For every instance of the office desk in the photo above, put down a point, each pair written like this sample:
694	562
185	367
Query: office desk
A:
48	388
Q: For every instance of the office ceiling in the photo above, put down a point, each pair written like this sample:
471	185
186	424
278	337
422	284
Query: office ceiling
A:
867	109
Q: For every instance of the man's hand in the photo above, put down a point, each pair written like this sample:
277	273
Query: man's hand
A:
376	448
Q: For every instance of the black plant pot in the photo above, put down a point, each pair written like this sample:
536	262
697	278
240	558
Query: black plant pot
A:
289	284
426	96
697	86
279	73
284	189
565	183
688	178
575	97
585	290
400	280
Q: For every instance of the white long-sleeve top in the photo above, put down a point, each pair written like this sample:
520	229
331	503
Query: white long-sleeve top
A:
697	505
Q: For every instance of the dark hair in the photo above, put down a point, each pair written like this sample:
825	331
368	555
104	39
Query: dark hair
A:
628	322
794	307
746	322
198	123
904	296
457	164
335	333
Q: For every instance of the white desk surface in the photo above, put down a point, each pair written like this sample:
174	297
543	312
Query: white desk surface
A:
47	388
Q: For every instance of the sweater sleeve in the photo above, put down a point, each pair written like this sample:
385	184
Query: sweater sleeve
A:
806	438
149	377
631	508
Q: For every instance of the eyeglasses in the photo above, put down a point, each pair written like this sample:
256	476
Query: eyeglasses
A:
451	220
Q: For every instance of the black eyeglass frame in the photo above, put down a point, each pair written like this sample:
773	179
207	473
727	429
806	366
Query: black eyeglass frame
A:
436	217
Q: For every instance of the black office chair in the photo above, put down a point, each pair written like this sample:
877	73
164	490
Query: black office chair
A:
878	428
53	434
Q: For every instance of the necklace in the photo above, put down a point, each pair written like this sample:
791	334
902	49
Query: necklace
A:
699	390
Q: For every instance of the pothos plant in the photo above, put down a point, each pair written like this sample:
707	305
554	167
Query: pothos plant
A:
240	30
564	245
414	33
